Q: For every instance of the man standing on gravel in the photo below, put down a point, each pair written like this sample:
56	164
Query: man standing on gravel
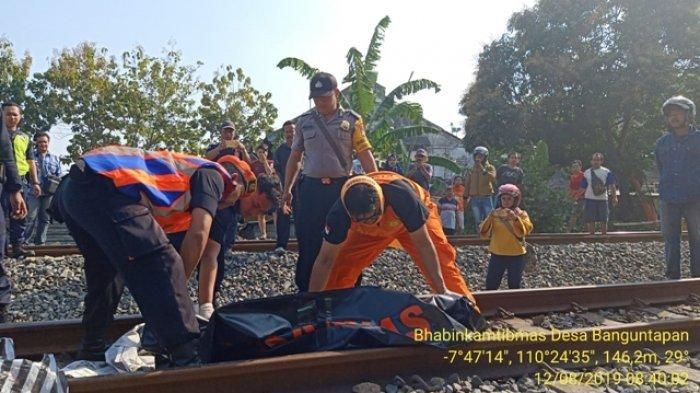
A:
12	186
373	211
678	160
49	171
23	148
326	137
119	204
281	157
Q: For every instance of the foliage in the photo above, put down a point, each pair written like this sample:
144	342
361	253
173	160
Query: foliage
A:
231	95
546	204
156	101
585	76
143	101
84	84
17	85
387	120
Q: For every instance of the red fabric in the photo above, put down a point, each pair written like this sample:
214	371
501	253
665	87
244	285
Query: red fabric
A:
575	190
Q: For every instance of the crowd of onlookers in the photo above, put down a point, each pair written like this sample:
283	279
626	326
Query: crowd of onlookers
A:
40	172
591	191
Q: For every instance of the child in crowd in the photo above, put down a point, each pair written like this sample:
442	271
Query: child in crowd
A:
458	190
576	193
447	206
598	182
506	227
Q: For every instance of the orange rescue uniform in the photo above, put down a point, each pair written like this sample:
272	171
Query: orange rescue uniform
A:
365	242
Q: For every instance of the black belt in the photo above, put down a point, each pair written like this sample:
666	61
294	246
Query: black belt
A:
324	180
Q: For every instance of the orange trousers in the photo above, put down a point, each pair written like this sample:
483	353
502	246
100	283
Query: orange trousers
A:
361	249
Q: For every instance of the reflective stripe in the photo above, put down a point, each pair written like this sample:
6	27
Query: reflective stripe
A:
159	180
20	142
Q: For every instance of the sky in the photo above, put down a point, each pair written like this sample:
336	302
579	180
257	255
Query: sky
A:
439	40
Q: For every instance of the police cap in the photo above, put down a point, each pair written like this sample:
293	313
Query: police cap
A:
322	84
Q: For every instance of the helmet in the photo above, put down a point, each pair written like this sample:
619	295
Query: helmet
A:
684	103
512	190
481	150
248	176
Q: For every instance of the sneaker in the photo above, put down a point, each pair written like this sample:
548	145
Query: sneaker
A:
280	250
206	310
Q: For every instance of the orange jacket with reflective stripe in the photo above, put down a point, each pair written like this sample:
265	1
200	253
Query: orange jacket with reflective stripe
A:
160	180
390	224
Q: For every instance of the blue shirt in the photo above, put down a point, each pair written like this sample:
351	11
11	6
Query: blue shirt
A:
46	165
678	160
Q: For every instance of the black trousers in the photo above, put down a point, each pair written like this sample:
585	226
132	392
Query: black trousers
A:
123	245
17	226
315	201
284	222
5	282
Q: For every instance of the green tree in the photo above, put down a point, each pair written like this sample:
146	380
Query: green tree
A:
231	95
156	101
39	112
83	82
387	119
586	76
546	204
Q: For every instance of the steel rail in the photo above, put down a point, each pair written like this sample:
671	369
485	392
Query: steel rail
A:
457	241
35	338
326	371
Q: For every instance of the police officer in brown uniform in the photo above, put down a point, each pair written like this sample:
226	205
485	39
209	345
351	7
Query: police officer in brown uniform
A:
326	137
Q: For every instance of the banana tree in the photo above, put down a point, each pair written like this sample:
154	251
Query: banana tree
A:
388	120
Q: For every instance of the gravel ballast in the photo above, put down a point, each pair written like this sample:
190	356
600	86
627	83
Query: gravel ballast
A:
48	288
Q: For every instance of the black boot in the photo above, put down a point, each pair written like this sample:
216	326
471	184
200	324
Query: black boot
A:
92	350
5	316
185	355
18	251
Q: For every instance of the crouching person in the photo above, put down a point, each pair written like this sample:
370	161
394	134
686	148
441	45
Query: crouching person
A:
119	204
261	195
506	227
373	211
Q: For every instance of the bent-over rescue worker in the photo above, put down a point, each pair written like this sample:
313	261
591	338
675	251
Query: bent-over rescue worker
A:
118	204
372	212
261	195
326	136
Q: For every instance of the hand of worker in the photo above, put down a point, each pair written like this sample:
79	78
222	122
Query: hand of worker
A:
614	200
36	189
287	202
19	208
451	293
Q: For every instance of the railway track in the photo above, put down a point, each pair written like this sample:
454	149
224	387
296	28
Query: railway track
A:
511	310
457	241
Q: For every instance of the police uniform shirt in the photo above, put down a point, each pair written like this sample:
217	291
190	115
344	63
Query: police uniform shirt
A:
320	160
398	194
